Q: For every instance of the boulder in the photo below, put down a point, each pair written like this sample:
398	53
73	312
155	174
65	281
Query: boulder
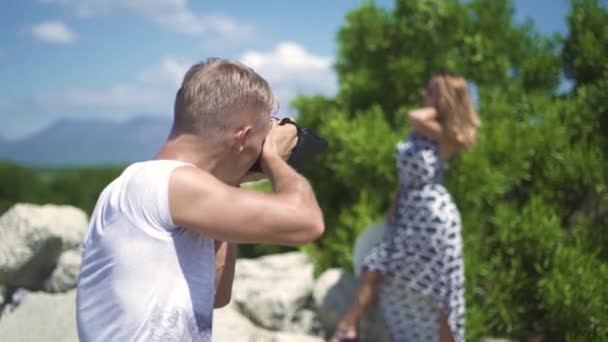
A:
32	240
272	289
306	321
230	325
65	275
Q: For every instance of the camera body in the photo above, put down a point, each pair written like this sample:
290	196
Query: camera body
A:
307	147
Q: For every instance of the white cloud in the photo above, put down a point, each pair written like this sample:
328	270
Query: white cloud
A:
291	70
54	32
175	15
169	73
152	91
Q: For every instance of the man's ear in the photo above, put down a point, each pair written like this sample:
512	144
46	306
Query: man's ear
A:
241	137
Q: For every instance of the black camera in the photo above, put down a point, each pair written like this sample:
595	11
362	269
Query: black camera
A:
307	147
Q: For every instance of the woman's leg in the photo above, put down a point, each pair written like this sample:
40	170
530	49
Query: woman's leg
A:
445	334
367	293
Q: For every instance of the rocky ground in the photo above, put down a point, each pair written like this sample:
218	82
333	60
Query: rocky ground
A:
275	298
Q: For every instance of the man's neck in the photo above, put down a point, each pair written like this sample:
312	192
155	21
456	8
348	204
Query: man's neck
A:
189	149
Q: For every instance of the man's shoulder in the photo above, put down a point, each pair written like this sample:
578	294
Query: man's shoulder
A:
141	192
141	176
152	170
188	179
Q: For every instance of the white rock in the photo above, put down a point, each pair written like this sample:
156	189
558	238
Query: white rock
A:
306	321
32	239
270	290
230	325
65	275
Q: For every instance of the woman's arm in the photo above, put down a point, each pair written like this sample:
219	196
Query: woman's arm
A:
425	121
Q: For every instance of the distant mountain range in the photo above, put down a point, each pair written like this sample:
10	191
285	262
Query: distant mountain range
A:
79	142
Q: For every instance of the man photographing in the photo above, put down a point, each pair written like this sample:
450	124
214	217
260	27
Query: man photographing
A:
159	254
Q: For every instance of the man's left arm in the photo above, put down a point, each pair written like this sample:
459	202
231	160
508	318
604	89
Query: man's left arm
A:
225	258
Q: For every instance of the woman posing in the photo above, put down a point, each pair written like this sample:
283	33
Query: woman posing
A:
417	269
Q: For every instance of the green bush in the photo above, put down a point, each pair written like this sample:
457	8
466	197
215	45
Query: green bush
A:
349	178
533	191
19	184
81	187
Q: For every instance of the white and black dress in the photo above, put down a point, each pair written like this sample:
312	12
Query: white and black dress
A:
420	254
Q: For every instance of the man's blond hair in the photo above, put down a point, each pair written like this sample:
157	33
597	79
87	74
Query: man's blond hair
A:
215	94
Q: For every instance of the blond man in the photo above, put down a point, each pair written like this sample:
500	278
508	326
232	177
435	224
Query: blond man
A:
160	251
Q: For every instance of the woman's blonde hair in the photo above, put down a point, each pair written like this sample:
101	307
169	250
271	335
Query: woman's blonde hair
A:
455	108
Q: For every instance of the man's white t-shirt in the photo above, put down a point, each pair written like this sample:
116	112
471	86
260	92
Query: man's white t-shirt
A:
143	278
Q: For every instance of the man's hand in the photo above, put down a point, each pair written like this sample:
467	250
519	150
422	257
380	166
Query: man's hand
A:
279	142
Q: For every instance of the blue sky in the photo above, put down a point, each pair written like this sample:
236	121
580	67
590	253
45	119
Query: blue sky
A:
119	58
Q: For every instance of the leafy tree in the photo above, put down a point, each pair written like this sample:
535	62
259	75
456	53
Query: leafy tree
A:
585	56
585	51
533	191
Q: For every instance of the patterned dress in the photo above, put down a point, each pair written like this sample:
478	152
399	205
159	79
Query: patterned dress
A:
420	254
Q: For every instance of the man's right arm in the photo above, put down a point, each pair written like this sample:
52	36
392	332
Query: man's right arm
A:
289	216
